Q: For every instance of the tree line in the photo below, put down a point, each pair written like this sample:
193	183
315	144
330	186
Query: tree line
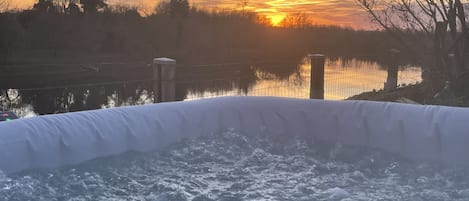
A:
91	30
87	31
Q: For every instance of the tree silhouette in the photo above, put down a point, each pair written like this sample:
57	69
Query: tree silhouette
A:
45	6
447	54
298	20
73	9
243	4
174	8
179	8
69	7
91	7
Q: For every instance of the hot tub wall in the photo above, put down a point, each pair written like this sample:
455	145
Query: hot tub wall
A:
434	133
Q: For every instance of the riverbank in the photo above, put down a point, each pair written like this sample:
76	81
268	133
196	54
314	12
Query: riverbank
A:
414	94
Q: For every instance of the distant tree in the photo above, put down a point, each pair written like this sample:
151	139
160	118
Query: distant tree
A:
298	20
243	4
174	8
179	8
45	6
73	9
263	20
91	7
70	7
124	10
162	8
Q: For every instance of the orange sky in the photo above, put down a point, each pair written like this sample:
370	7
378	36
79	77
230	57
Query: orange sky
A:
337	12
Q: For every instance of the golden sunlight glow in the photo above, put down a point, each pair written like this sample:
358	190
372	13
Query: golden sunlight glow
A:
367	76
276	19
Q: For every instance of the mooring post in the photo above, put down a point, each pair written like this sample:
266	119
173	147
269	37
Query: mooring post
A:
164	80
393	68
317	76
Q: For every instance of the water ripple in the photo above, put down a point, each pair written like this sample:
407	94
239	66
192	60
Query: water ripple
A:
230	166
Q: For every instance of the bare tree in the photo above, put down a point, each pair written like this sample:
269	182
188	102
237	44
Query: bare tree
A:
174	8
46	6
243	4
430	21
297	20
91	7
66	6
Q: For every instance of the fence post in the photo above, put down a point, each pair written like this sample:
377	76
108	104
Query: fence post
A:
164	80
317	76
393	68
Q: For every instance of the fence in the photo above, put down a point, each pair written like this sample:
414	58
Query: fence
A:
312	84
166	80
267	78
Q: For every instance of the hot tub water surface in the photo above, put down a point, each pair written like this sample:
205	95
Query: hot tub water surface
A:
232	166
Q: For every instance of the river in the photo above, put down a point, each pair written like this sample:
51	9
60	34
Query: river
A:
343	78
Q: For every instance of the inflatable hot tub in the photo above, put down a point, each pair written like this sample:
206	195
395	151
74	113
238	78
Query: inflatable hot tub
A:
431	133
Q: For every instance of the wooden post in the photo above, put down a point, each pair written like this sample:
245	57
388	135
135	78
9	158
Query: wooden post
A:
164	80
393	69
317	76
436	75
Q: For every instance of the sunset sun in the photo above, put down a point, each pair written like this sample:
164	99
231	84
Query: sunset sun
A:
276	19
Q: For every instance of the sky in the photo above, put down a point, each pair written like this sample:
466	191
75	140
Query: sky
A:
331	12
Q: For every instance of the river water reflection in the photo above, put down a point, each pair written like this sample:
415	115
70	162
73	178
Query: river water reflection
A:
343	78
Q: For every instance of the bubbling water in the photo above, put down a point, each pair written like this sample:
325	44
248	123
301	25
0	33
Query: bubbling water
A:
232	166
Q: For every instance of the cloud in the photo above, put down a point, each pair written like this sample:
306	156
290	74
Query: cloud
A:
339	12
